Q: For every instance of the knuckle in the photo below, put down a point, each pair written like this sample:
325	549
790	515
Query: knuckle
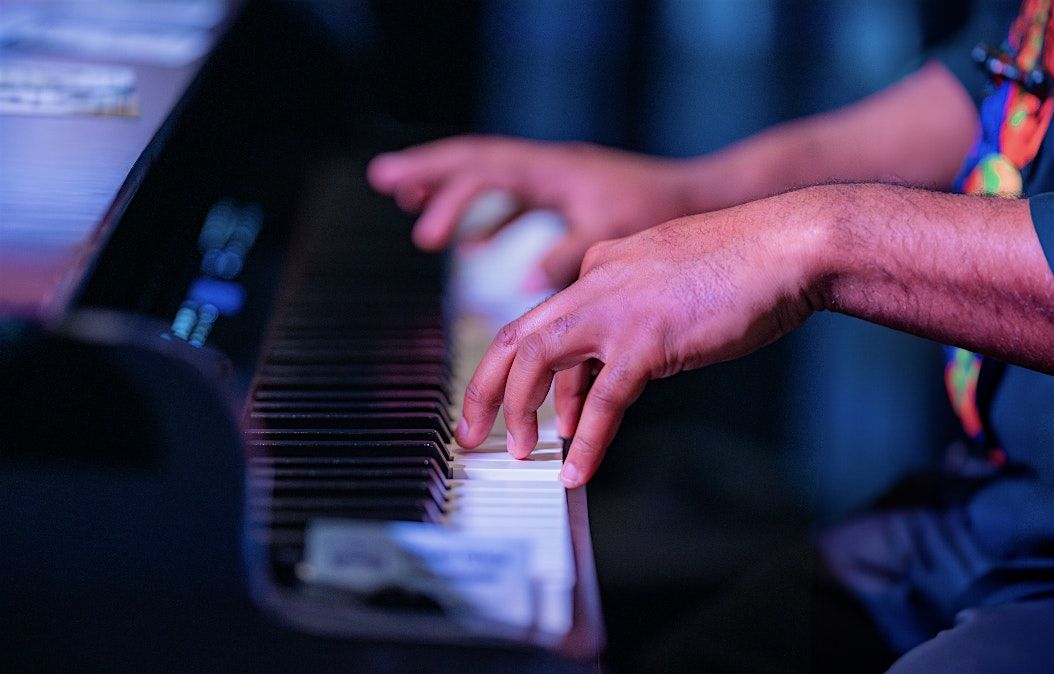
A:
652	328
509	335
520	415
563	324
587	264
533	348
591	258
667	234
622	373
606	274
475	395
597	255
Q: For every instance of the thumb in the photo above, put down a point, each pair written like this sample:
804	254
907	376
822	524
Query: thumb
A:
561	264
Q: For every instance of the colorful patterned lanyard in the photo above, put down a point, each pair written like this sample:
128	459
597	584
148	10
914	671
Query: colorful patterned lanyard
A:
1014	121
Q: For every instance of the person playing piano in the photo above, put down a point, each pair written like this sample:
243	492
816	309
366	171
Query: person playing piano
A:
678	266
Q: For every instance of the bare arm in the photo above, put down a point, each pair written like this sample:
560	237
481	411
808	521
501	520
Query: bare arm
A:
916	131
961	270
964	270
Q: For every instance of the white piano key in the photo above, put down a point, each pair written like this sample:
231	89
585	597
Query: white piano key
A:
496	471
540	455
495	495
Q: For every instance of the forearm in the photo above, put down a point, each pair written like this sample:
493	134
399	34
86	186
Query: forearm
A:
966	271
915	132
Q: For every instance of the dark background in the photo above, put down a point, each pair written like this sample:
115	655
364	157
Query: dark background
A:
713	468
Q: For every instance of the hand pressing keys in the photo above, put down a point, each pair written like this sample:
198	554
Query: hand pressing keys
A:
682	295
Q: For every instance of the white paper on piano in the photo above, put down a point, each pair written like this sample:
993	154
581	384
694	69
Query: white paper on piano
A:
153	42
471	576
189	13
29	87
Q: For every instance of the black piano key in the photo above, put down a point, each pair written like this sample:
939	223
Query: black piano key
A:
285	336
351	394
286	475
300	511
359	382
338	355
434	468
358	406
350	409
373	369
261	436
354	420
308	487
421	450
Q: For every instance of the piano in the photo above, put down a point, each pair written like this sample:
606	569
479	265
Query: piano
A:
229	383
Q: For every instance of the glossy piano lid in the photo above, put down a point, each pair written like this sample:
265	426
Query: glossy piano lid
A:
66	179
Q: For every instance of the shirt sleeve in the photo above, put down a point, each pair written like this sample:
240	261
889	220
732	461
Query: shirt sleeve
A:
1042	209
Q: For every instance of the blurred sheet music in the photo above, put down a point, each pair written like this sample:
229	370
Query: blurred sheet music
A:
174	35
51	88
189	13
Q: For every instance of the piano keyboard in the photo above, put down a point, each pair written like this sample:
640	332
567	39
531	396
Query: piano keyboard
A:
491	492
349	433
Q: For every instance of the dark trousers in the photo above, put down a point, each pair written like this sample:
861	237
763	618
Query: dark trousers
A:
894	588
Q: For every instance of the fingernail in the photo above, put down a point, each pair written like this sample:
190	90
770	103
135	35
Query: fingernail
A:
510	444
569	475
535	282
462	429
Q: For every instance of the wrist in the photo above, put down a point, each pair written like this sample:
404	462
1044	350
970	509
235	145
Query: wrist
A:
819	224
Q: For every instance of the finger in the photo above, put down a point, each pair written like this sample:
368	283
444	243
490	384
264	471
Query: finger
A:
560	265
521	403
615	389
594	255
384	173
436	225
572	385
411	198
427	163
486	389
560	344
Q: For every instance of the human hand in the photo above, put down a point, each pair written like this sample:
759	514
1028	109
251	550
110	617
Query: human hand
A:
682	295
602	193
